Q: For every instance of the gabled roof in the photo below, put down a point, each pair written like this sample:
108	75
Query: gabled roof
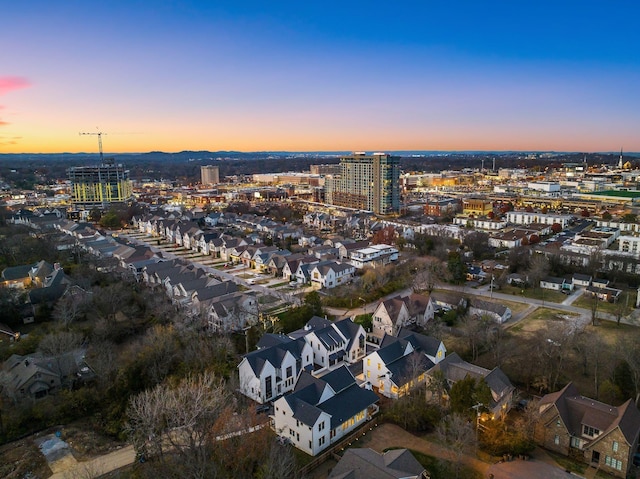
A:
349	330
420	342
392	349
416	304
576	410
405	368
346	403
274	355
446	297
393	306
13	273
365	463
488	306
339	379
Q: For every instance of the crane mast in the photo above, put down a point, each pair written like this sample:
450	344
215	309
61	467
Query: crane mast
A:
99	135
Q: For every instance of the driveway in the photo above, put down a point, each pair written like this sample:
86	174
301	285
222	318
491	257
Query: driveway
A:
534	468
539	466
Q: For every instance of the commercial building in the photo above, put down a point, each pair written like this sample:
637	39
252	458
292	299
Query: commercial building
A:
366	182
209	175
99	186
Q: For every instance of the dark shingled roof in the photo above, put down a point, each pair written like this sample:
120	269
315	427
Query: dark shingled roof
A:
576	410
346	403
365	463
274	355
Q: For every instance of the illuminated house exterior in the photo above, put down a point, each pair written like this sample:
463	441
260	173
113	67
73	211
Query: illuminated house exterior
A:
99	186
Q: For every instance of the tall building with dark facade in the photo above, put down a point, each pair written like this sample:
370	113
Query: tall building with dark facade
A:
366	182
99	186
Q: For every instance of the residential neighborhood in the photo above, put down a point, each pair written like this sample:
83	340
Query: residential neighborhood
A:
299	329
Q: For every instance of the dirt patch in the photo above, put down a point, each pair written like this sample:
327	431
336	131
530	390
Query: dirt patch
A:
86	442
540	318
22	459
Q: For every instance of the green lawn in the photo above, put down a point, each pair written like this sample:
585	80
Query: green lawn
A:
535	293
627	298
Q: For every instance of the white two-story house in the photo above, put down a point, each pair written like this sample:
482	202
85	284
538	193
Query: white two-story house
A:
269	372
329	274
402	362
321	411
321	346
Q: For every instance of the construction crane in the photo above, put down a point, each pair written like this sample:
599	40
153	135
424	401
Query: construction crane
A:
99	135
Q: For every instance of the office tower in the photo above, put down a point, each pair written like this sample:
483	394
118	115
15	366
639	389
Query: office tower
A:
99	186
366	182
209	175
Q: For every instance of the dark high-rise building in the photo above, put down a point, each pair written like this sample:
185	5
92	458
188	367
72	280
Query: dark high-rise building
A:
366	182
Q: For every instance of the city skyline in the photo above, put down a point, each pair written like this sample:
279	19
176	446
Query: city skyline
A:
331	77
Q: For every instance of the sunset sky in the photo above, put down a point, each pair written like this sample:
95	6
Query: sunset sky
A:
331	75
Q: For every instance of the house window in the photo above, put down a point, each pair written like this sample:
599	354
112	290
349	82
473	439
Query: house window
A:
590	431
321	441
556	440
368	374
289	371
321	426
379	366
576	442
614	446
368	361
614	463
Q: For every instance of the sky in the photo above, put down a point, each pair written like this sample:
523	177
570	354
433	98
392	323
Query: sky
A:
319	76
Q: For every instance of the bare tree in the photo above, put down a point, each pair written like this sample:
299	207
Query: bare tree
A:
71	307
60	346
475	330
181	419
457	433
280	463
428	275
593	306
538	269
102	356
627	352
552	348
496	343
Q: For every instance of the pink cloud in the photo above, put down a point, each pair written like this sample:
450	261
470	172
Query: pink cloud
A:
8	84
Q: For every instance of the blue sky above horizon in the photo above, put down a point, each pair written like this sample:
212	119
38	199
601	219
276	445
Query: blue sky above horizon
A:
249	76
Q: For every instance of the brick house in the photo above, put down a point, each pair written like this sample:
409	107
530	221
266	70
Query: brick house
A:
601	435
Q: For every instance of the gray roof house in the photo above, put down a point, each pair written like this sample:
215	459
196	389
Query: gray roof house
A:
321	411
455	369
365	463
